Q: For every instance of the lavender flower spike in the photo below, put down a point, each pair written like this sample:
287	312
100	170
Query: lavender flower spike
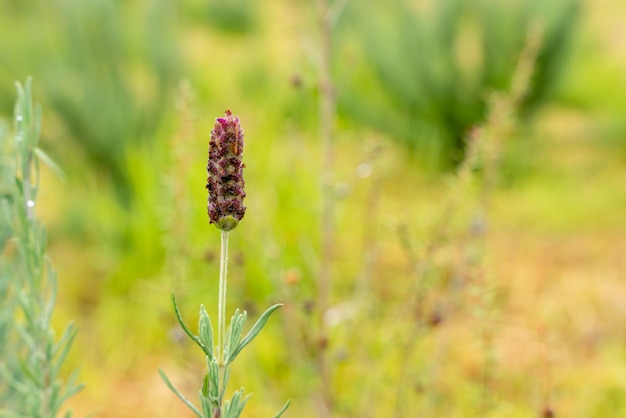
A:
225	173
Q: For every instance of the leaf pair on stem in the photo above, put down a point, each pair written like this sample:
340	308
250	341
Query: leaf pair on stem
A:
214	385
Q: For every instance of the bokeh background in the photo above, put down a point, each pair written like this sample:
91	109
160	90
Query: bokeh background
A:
525	318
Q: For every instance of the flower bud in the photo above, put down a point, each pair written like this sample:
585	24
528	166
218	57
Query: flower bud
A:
225	173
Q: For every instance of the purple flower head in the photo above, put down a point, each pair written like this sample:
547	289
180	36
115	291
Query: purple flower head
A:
225	173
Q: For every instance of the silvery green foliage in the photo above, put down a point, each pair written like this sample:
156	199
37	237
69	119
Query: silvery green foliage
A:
30	354
216	379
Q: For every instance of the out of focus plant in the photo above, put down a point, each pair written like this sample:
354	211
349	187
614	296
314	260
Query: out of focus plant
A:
31	356
107	69
427	68
225	208
233	16
462	227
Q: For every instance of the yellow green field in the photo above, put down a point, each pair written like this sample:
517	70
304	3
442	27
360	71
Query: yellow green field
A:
518	311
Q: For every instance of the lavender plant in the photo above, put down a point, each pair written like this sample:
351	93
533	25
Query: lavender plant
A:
31	356
225	184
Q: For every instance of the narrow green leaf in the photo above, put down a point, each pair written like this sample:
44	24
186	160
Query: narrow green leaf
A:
225	380
15	384
214	381
182	324
67	339
37	182
71	388
19	185
235	330
241	406
205	385
38	111
258	326
234	408
50	163
207	407
60	345
26	337
206	330
282	411
25	304
35	378
177	393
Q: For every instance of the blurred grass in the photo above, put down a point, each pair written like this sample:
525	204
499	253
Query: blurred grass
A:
555	243
105	69
432	86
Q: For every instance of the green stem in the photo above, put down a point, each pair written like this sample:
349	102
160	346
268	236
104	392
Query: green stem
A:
221	315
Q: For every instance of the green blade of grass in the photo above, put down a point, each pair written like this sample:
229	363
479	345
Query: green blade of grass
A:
177	393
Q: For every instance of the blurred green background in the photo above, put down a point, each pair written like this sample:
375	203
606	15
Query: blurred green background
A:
130	91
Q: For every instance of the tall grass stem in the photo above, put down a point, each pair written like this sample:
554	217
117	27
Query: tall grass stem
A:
327	116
